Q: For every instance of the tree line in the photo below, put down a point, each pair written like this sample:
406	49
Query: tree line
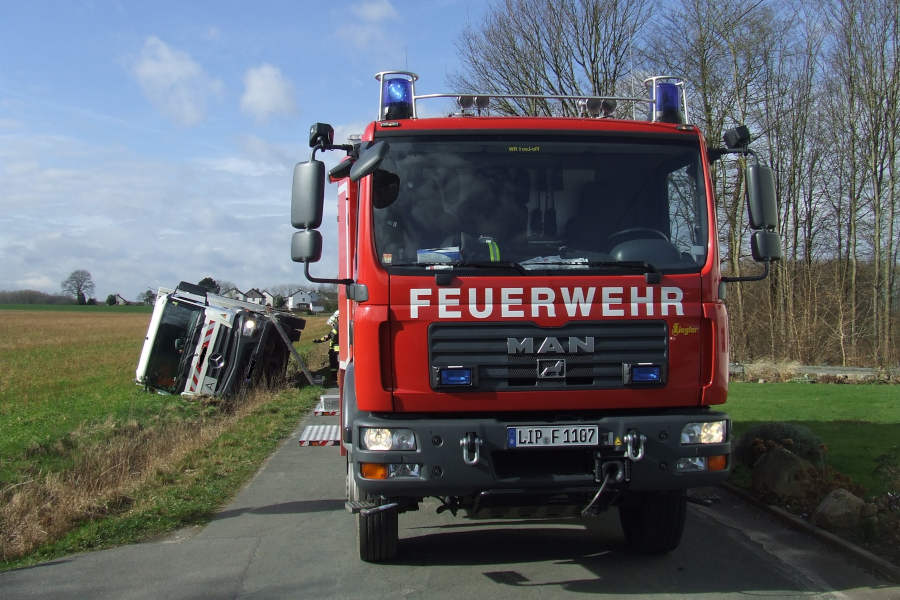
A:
818	83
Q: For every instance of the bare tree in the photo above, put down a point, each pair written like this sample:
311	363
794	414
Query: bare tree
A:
564	47
79	285
867	65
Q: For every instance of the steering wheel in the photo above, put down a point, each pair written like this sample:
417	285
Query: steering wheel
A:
637	232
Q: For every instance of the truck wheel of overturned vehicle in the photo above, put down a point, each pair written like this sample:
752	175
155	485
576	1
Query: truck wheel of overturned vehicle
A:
653	521
377	533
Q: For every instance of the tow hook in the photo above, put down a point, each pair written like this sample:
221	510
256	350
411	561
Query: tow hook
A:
634	445
471	448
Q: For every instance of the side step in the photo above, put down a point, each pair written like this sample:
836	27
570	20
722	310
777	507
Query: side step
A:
320	435
328	405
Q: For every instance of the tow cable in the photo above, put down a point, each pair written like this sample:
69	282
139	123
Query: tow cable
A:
588	511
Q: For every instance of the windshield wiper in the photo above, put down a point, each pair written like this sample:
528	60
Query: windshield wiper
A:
449	266
478	264
653	274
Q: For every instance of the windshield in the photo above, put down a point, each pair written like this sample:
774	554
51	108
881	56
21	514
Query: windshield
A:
540	203
172	344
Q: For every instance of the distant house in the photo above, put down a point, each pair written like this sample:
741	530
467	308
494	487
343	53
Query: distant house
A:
255	296
301	300
121	301
235	294
268	297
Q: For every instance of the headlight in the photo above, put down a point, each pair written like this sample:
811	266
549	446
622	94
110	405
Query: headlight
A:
710	432
249	328
382	439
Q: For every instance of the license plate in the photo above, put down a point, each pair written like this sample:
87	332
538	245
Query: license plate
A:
552	436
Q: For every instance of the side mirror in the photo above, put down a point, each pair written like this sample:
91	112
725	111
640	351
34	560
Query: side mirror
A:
308	194
306	246
368	161
765	246
761	197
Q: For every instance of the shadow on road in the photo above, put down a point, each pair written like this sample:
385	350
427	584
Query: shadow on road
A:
284	508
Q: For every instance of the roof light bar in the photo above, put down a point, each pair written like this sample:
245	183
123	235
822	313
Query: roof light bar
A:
667	102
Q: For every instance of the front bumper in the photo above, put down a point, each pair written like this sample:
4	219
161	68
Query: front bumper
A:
448	464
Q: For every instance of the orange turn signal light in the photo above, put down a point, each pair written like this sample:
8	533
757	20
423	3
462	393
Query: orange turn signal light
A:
373	470
717	463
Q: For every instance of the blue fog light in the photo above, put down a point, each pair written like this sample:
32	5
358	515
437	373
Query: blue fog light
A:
645	374
456	376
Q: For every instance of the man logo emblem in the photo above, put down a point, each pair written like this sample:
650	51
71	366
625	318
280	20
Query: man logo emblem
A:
551	368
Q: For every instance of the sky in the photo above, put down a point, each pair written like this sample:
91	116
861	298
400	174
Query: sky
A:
152	143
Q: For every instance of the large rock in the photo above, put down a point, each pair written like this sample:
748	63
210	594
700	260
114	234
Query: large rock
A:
839	510
783	473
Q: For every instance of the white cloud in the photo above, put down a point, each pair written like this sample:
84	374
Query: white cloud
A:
174	82
136	223
374	11
367	30
267	92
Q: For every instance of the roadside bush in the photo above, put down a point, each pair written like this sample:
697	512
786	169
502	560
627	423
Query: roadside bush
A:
768	370
763	437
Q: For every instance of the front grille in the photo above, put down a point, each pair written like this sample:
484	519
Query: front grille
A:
484	347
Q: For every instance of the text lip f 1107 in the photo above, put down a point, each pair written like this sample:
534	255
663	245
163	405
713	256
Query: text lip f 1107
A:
552	436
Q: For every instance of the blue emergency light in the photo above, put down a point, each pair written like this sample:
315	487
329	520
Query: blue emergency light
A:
645	373
456	376
397	98
667	99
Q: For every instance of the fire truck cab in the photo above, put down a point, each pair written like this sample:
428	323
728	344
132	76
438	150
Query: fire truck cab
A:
532	317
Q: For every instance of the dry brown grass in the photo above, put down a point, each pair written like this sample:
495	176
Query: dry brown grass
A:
770	371
104	478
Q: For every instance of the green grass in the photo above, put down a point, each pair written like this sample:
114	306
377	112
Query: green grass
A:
859	424
65	372
67	389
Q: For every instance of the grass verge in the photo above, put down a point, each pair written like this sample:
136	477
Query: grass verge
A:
138	485
859	427
859	424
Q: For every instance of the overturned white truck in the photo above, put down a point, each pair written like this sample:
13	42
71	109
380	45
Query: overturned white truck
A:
200	343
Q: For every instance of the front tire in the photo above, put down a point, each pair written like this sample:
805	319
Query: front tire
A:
653	522
376	534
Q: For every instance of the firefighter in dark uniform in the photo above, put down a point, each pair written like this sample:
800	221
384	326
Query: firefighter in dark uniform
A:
333	345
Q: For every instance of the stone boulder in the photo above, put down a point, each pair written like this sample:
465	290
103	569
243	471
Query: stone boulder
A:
839	511
783	473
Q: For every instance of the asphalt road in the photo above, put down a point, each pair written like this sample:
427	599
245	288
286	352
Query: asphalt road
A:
286	534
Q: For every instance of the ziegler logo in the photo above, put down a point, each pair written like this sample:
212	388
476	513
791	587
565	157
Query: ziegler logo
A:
678	329
550	345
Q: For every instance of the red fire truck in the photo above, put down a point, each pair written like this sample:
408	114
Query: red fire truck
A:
531	308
